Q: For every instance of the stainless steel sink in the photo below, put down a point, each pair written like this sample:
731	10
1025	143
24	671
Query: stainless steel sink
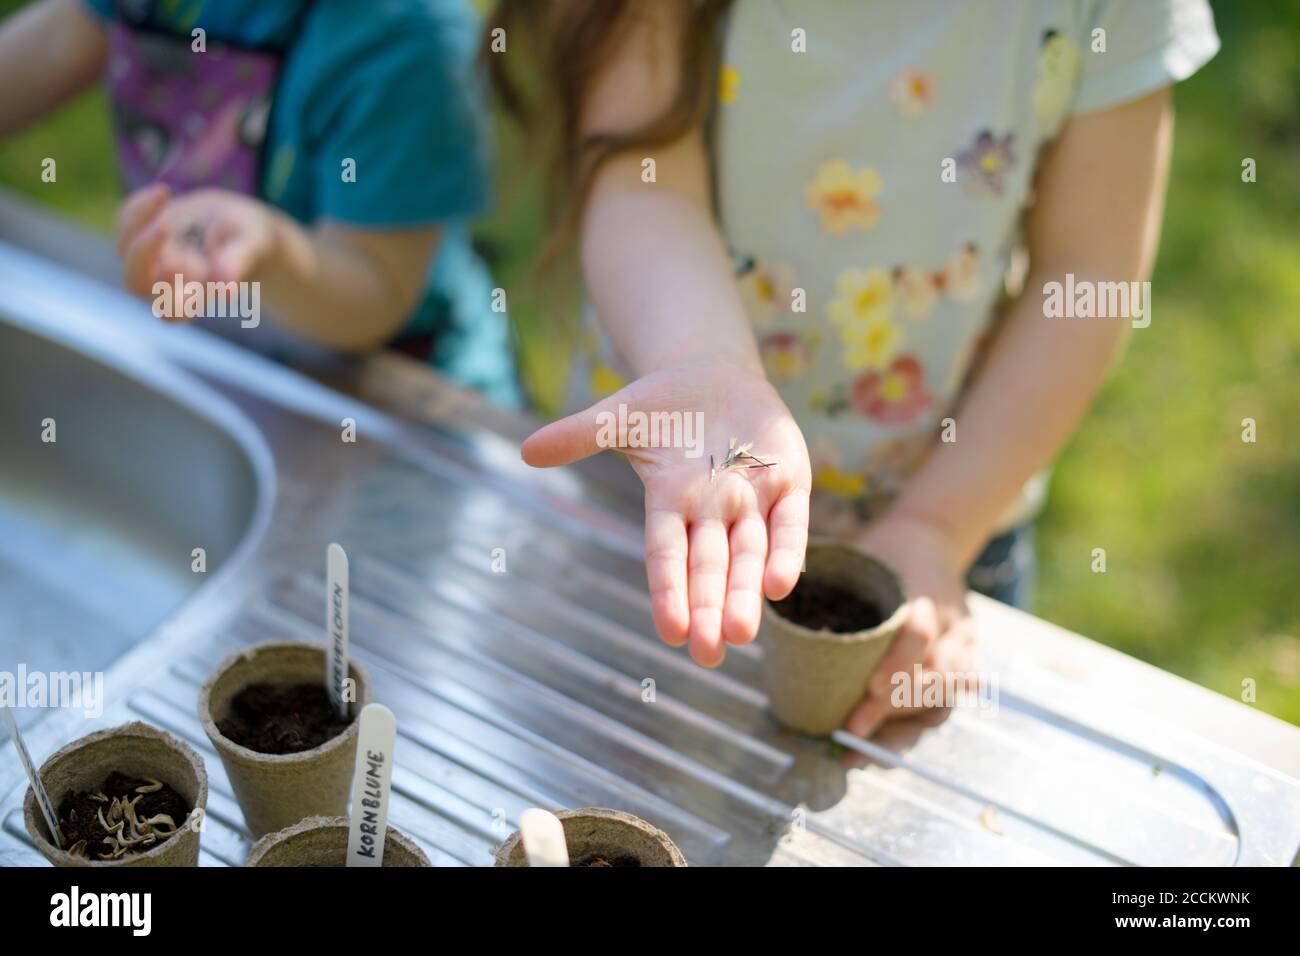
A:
98	527
526	687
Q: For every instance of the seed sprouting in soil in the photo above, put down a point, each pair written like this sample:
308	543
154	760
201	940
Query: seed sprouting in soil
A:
124	815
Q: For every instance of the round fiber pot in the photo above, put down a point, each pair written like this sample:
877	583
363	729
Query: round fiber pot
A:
814	678
323	841
135	749
278	790
596	832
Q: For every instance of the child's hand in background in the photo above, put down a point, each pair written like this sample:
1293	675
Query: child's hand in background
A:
206	235
939	634
715	546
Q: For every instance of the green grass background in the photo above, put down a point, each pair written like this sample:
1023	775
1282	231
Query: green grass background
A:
1201	530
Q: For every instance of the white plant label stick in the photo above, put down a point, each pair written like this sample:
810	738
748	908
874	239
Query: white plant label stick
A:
372	782
38	788
336	626
542	835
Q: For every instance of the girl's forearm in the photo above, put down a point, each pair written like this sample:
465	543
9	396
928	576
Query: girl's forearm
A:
1096	215
661	281
338	288
1035	384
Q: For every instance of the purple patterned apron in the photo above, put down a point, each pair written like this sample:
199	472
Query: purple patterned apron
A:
184	118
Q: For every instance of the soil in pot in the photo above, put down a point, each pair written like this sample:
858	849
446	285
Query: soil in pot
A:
124	816
600	837
282	718
820	605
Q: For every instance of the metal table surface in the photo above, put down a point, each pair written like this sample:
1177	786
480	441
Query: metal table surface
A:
526	686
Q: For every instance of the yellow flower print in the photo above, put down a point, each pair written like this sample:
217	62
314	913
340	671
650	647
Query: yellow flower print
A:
605	381
871	345
842	484
829	475
864	310
861	294
728	84
785	356
766	292
844	197
1058	73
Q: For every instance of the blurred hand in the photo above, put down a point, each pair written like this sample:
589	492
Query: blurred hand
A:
939	634
206	235
714	546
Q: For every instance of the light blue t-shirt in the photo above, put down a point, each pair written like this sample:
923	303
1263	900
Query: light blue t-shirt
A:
391	85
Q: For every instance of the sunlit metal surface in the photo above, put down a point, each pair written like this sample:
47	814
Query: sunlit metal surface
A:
503	618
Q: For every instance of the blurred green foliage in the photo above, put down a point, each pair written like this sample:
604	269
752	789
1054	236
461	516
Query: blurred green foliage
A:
1201	530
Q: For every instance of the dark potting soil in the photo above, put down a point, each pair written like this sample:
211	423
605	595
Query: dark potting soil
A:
597	859
84	833
818	605
282	718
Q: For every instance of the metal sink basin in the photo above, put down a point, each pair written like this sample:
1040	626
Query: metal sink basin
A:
111	475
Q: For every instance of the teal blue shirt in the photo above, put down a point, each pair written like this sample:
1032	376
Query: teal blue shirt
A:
391	85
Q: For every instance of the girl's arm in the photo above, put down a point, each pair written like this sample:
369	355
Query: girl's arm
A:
655	266
49	52
662	284
348	289
1099	197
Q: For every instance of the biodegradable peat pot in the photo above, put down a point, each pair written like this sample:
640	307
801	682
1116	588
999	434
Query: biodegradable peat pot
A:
135	749
813	678
277	790
607	833
323	841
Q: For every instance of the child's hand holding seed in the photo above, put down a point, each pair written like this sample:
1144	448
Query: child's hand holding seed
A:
206	235
717	540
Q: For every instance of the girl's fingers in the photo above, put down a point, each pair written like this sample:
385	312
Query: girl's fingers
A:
954	656
665	565
744	608
233	261
868	716
788	535
707	564
910	647
944	659
140	260
137	211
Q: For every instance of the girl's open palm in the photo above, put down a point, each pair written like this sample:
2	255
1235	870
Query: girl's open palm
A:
715	544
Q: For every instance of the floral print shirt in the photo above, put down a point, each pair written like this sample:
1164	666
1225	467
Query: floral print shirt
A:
873	161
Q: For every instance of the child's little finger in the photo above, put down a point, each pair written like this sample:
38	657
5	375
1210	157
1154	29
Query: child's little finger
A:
788	540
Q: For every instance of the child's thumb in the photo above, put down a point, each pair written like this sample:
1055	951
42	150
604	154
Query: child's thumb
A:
578	436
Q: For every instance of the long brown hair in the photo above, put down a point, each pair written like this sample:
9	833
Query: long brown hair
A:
566	45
